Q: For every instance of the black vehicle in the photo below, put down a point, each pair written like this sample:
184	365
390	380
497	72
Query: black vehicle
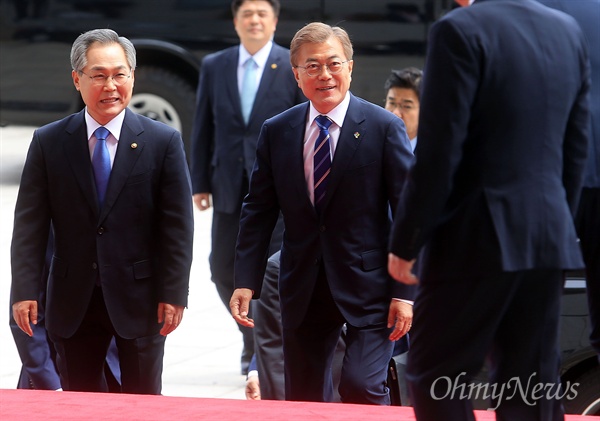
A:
172	37
580	364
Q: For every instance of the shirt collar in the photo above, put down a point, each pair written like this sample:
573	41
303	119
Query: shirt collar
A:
260	57
114	125
336	115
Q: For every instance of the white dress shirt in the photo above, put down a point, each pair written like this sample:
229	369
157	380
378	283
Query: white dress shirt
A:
113	126
311	133
260	58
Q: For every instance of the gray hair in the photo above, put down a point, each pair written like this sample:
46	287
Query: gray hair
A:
101	36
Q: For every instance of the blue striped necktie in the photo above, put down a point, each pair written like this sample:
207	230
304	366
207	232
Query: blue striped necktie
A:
101	163
322	160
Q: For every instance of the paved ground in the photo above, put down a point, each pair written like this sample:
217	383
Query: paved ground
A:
202	355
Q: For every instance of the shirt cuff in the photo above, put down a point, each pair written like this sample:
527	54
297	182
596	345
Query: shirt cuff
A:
411	302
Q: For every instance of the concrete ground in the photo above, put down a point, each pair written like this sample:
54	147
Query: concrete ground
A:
202	357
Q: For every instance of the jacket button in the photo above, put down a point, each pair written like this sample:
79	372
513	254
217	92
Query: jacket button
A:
322	228
100	230
94	266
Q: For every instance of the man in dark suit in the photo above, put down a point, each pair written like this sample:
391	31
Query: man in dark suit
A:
587	15
116	189
336	215
503	137
228	118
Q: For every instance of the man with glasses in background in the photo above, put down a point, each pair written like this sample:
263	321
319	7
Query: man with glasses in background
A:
115	187
332	166
403	88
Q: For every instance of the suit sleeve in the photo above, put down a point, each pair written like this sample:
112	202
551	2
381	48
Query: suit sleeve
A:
176	224
452	74
577	136
398	161
31	227
259	217
202	137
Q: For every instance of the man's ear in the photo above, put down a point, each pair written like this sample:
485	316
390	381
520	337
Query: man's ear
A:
75	77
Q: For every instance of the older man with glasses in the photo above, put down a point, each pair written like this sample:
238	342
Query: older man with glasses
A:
115	188
332	166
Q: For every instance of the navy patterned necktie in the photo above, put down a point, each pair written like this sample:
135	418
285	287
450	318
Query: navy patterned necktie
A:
101	163
322	160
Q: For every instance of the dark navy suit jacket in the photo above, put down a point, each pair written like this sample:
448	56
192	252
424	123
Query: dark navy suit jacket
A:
489	193
139	243
349	237
223	146
587	15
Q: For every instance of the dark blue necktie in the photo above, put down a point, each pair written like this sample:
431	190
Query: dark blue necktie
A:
101	163
322	160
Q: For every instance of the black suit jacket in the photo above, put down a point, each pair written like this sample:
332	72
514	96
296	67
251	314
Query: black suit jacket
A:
139	243
503	135
223	146
349	237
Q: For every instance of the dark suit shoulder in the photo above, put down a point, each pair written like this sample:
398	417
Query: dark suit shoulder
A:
218	56
139	122
290	116
63	124
362	109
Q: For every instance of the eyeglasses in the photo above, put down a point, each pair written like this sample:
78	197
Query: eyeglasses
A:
391	106
100	79
314	69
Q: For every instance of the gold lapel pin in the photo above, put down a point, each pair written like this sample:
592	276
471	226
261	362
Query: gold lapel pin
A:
133	145
356	135
273	66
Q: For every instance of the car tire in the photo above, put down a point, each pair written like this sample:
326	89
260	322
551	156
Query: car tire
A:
162	95
587	401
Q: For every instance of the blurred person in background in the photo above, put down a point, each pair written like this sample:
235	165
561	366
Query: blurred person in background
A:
240	87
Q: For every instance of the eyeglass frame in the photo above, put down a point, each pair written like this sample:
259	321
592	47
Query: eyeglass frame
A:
402	106
321	68
105	78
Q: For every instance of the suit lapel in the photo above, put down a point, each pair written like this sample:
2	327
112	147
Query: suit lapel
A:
273	67
295	136
77	151
230	67
351	135
129	148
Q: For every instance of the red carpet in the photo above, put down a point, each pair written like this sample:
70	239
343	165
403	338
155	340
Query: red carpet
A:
62	406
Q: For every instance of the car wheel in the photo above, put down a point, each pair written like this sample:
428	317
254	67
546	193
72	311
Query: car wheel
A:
587	401
164	96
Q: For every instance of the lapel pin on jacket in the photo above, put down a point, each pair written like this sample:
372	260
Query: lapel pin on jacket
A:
273	66
133	145
356	135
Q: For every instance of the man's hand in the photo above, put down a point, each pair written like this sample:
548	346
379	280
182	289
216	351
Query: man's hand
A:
400	317
252	389
171	315
202	200
240	304
401	270
24	313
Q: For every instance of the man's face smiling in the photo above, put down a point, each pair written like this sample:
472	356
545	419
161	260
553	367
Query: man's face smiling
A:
325	91
105	101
